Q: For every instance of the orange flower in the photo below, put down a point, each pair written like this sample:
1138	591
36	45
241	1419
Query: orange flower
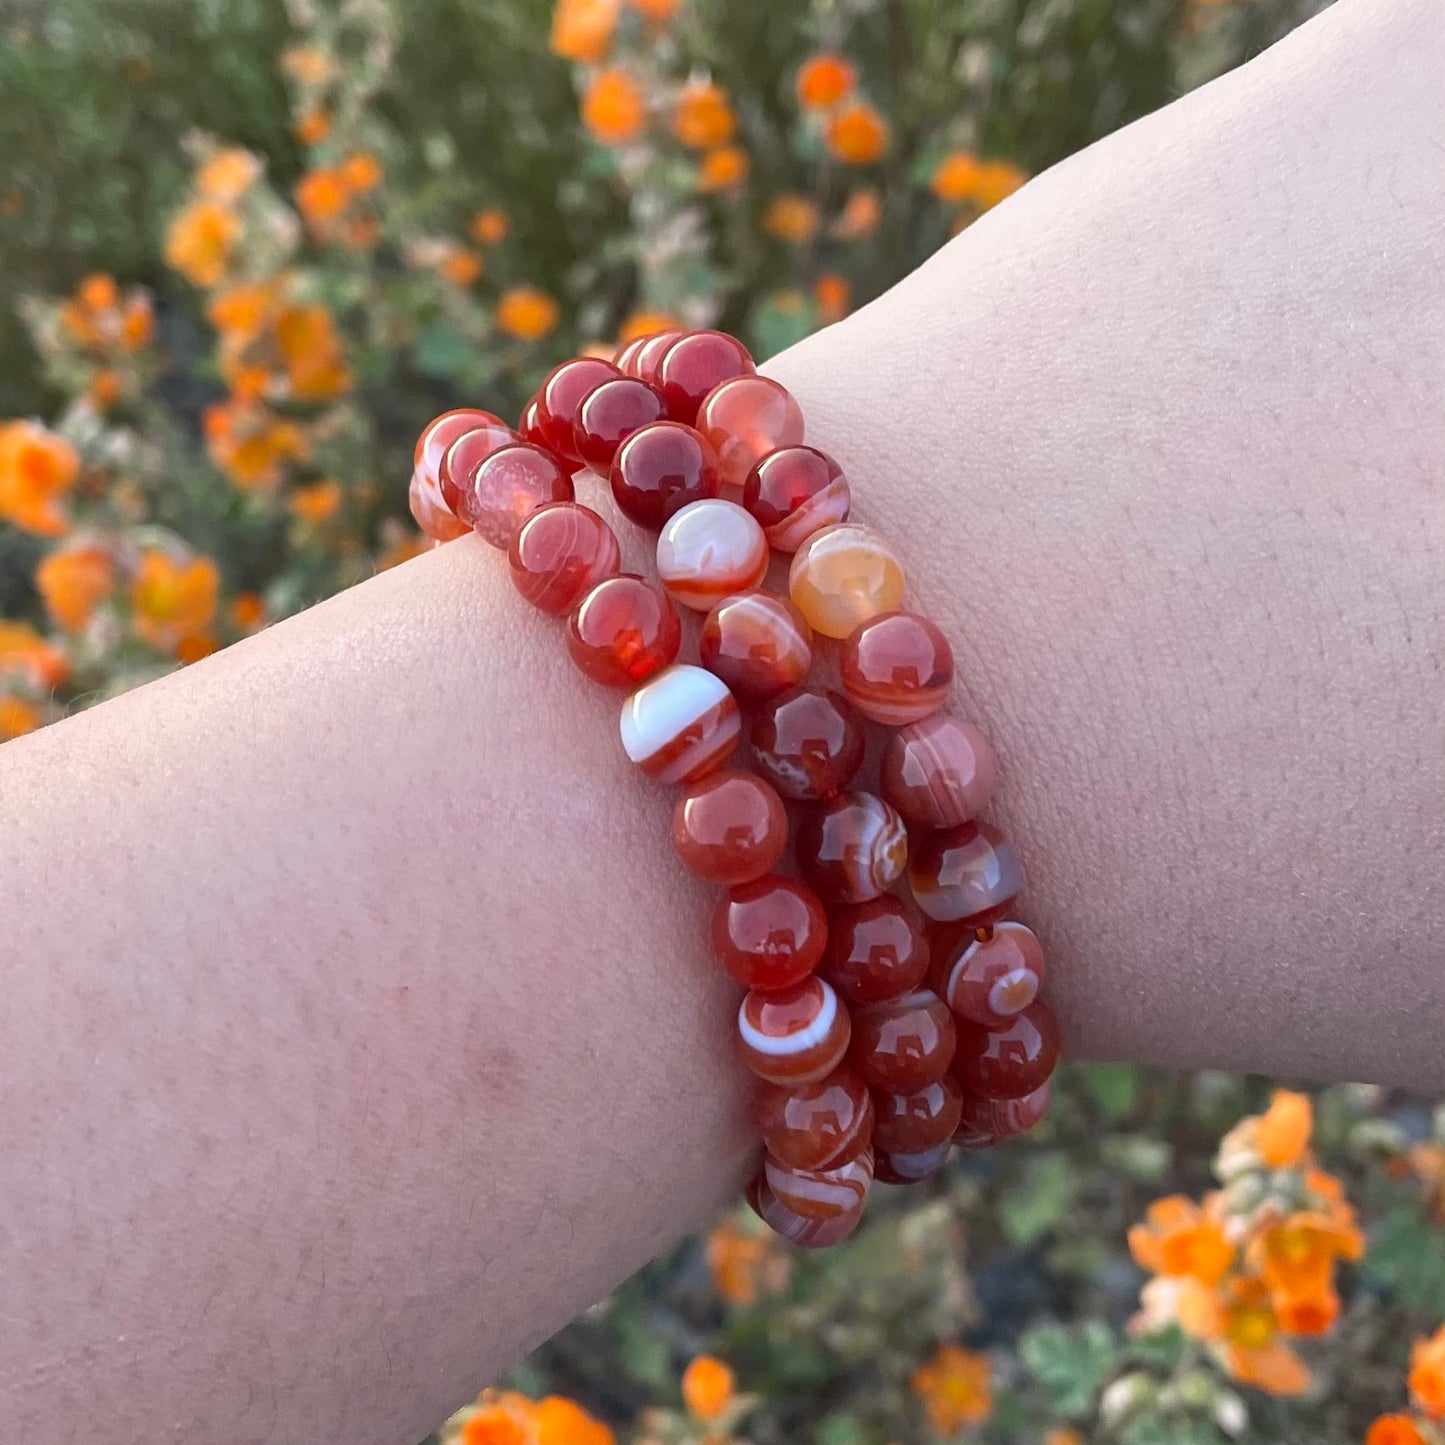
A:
311	353
228	175
241	311
955	177
791	218
858	135
361	172
317	503
73	582
1062	1435
647	323
996	181
832	295
460	266
1273	1368
27	658
199	242
558	1421
708	1386
105	388
722	168
744	1263
308	64
1394	1430
250	445
824	80
613	108
860	216
98	292
312	127
1180	1300
582	29
1177	1239
137	322
37	469
955	1387
322	196
1283	1132
490	226
1296	1257
195	647
247	612
1427	1375
173	601
658	11
17	717
1308	1312
526	313
500	1420
703	118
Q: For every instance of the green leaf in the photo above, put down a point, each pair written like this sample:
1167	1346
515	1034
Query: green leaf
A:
777	323
839	1429
1070	1362
1407	1256
1039	1201
440	350
1115	1088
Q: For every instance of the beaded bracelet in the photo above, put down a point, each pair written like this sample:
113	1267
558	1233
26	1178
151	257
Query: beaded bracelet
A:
881	1037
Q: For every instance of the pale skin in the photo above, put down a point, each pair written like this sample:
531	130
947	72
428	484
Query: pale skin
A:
358	1024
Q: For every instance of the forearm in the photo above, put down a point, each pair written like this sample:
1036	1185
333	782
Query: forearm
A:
360	1026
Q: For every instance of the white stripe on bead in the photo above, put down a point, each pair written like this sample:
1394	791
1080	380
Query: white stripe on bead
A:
794	1043
666	706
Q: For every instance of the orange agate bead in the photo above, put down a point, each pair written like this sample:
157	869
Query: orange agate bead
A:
745	418
794	492
560	553
924	1119
757	643
730	828
896	668
1008	1062
842	576
967	875
852	848
938	773
903	1044
899	1168
769	934
798	1229
680	725
430	512
987	981
795	1036
808	742
624	630
876	951
1001	1118
560	396
819	1125
821	1194
709	550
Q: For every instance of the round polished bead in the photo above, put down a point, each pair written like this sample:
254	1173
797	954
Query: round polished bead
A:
560	553
625	630
659	469
769	934
896	668
800	1231
507	487
694	364
968	875
649	356
430	512
1008	1062
609	414
744	419
1004	1118
560	396
529	428
852	848
876	951
795	1036
439	434
903	1044
681	725
466	452
909	1168
809	742
816	1126
730	828
938	773
794	492
842	576
757	643
990	980
624	358
708	550
924	1119
821	1193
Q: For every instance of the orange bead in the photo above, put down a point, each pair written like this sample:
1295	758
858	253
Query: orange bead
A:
924	1119
770	933
938	773
900	1168
816	1126
1008	1062
625	629
876	951
808	742
757	643
967	875
987	981
842	576
680	725
745	418
896	668
430	512
852	848
1002	1118
730	828
794	492
798	1229
821	1194
905	1043
794	1036
708	550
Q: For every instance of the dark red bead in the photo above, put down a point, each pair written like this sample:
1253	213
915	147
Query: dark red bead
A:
561	395
852	848
1008	1062
529	428
966	875
909	1168
609	414
924	1119
816	1126
659	469
758	643
794	492
808	742
647	358
876	951
695	363
730	828
626	629
769	934
560	553
1004	1118
625	356
903	1044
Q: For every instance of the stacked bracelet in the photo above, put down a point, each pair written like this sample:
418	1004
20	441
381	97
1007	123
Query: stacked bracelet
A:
881	1037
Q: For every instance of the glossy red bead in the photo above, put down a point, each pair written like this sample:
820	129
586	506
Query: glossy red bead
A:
1008	1062
609	414
659	469
876	951
708	551
938	773
680	725
816	1126
625	630
694	364
430	512
769	934
924	1119
437	437
1003	1118
466	451
987	981
905	1043
744	419
796	1035
560	553
794	492
800	1231
808	742
896	668
529	428
730	828
624	358
757	643
647	358
560	396
507	487
909	1168
821	1193
852	848
968	875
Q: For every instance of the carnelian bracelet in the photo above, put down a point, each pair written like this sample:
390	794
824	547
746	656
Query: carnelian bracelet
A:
881	1037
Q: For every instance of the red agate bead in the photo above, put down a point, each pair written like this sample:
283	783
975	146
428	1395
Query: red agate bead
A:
1003	1118
798	1229
896	668
659	469
467	450
430	512
796	1035
694	364
529	427
441	431
989	980
938	773
680	725
560	396
769	934
968	875
730	828
1008	1062
852	848
624	631
808	742
624	357
900	1168
757	643
816	1126
794	492
609	414
821	1193
904	1043
643	362
876	951
507	487
745	418
560	553
708	550
924	1119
